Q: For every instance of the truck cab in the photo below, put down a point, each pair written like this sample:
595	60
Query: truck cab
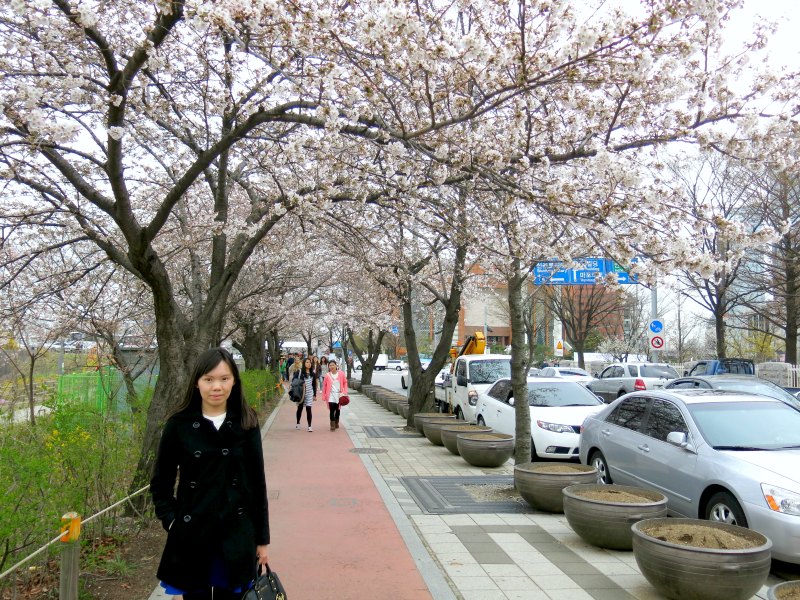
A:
471	375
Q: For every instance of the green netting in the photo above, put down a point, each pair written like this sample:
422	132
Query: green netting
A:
103	390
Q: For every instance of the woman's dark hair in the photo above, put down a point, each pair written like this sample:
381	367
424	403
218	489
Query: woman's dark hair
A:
304	372
205	363
332	362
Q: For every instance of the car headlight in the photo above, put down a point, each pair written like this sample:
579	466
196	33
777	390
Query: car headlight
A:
781	500
472	397
555	427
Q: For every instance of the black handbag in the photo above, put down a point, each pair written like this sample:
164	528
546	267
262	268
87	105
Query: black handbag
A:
267	586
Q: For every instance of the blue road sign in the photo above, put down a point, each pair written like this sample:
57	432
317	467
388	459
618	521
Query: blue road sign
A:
552	272
656	326
395	329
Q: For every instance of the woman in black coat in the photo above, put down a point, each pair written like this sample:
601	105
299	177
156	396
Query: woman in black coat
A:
218	522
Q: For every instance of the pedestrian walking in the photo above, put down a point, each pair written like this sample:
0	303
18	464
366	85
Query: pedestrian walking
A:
333	386
218	523
290	366
323	371
309	386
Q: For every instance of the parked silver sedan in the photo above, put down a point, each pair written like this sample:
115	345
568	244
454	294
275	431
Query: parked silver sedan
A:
718	455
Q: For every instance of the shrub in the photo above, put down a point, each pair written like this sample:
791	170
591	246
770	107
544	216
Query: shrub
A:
260	387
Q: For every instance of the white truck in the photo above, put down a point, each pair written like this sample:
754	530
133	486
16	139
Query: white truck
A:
471	374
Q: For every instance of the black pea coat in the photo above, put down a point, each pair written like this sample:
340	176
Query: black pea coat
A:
220	510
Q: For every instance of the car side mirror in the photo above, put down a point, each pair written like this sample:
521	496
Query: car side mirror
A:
461	380
678	438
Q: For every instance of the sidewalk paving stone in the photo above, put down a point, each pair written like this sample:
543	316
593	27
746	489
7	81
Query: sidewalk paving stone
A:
468	554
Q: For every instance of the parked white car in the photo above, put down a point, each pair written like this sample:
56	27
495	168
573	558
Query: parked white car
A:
558	408
568	373
397	364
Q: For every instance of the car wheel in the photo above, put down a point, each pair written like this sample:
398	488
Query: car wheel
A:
534	456
399	368
723	508
481	422
621	393
403	383
598	461
459	414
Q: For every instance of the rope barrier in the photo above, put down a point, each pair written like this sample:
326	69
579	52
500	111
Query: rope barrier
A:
60	535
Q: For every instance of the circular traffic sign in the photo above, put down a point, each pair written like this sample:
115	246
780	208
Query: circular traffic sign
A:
657	342
656	326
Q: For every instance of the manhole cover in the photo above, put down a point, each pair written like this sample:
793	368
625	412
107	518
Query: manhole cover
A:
368	450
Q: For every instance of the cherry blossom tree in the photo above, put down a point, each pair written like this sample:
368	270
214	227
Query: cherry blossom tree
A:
165	129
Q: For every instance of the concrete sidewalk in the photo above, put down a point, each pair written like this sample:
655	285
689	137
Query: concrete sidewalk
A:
370	511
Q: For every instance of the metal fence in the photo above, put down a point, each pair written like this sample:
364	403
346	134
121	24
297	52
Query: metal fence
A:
103	390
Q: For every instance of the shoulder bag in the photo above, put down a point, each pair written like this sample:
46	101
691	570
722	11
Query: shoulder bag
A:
344	399
296	388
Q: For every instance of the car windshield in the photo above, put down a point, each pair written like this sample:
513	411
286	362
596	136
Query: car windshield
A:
567	393
489	371
657	371
747	425
762	388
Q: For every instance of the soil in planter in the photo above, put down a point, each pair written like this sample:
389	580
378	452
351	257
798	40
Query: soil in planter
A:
465	427
486	436
612	496
556	468
788	594
699	536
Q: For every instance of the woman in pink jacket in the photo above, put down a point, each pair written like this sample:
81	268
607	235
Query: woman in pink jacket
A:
333	386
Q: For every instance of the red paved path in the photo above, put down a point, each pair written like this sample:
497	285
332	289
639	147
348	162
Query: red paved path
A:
332	536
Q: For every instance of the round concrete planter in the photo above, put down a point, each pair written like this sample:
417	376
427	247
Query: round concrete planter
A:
403	410
782	591
451	430
394	405
684	572
485	449
541	483
606	522
432	428
419	419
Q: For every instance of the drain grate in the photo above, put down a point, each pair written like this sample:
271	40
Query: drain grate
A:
369	450
447	495
384	431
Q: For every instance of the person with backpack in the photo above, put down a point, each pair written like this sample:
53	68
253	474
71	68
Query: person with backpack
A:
304	390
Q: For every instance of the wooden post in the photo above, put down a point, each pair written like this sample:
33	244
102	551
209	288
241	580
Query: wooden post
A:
70	556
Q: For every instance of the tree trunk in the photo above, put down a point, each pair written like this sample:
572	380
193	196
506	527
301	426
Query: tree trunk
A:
252	347
29	386
791	313
719	329
420	391
273	347
369	359
519	366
